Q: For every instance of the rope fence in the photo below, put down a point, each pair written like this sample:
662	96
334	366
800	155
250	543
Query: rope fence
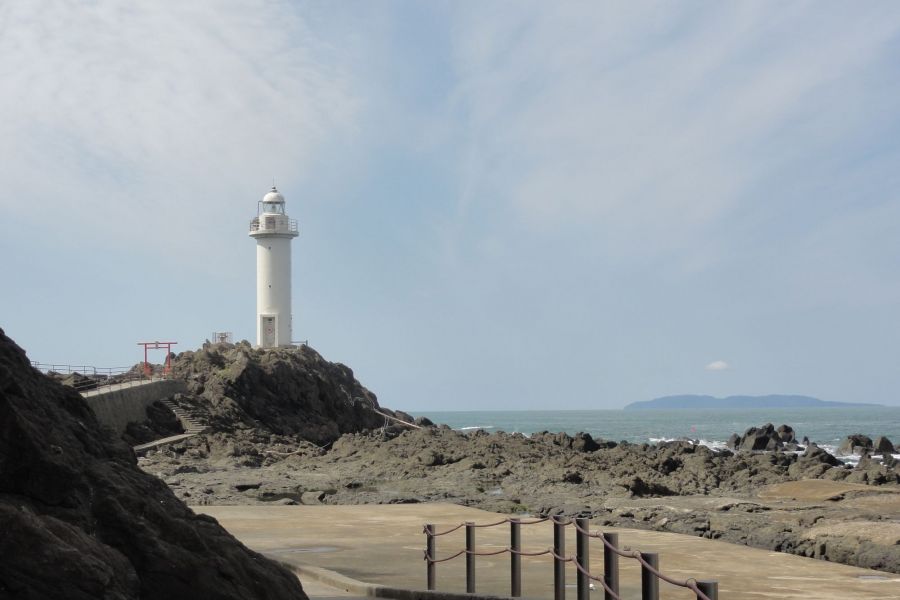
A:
609	580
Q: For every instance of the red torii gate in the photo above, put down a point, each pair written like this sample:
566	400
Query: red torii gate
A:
167	346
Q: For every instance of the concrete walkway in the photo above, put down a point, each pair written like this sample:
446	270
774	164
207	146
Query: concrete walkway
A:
163	441
115	387
384	545
321	590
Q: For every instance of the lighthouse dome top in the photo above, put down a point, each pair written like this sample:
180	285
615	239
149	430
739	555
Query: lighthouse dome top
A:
273	197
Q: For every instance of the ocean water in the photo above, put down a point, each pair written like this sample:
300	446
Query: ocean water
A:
823	426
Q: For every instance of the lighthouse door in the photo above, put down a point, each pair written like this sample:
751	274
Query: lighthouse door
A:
269	331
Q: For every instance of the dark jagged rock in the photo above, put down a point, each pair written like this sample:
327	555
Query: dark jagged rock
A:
424	422
403	416
766	438
641	488
855	444
286	391
80	520
686	445
573	477
786	434
873	472
761	438
582	442
881	444
561	438
813	463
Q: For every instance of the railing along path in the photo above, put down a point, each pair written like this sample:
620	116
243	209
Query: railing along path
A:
98	378
649	561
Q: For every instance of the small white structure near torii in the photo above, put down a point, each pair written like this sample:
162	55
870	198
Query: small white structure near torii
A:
273	231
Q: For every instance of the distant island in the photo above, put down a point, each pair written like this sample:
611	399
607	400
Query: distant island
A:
770	401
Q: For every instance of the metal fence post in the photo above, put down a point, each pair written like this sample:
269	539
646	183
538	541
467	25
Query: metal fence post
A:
470	557
710	588
611	566
649	582
429	558
559	566
515	559
582	557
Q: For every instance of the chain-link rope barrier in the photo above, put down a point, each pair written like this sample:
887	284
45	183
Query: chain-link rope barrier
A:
690	583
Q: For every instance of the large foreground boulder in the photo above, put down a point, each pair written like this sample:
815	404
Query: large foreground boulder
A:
79	520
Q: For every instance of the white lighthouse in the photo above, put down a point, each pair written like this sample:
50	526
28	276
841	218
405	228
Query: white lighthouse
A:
273	231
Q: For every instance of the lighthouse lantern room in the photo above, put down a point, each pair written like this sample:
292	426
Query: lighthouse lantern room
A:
273	231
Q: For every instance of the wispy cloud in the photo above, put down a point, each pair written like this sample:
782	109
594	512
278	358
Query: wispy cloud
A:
158	117
631	179
717	365
651	125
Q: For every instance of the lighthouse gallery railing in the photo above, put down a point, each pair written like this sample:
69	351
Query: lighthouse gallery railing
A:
291	226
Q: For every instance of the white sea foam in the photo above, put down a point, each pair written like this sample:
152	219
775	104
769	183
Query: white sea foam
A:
711	444
475	427
852	459
655	440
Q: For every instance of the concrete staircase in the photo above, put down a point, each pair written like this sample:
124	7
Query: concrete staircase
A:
190	425
191	428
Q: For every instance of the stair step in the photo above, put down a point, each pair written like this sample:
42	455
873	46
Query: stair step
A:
184	417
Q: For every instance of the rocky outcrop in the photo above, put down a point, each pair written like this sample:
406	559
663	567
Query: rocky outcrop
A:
283	391
766	438
786	434
440	464
548	473
881	445
855	444
80	520
874	472
581	442
813	463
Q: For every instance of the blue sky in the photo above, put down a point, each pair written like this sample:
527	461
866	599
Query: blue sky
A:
502	205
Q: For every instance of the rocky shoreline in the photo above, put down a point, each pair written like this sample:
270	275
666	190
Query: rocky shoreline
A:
832	512
286	426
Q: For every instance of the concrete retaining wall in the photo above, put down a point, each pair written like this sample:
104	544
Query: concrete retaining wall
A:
118	407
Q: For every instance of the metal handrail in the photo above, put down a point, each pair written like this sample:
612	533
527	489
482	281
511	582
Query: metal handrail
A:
650	573
292	226
99	378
